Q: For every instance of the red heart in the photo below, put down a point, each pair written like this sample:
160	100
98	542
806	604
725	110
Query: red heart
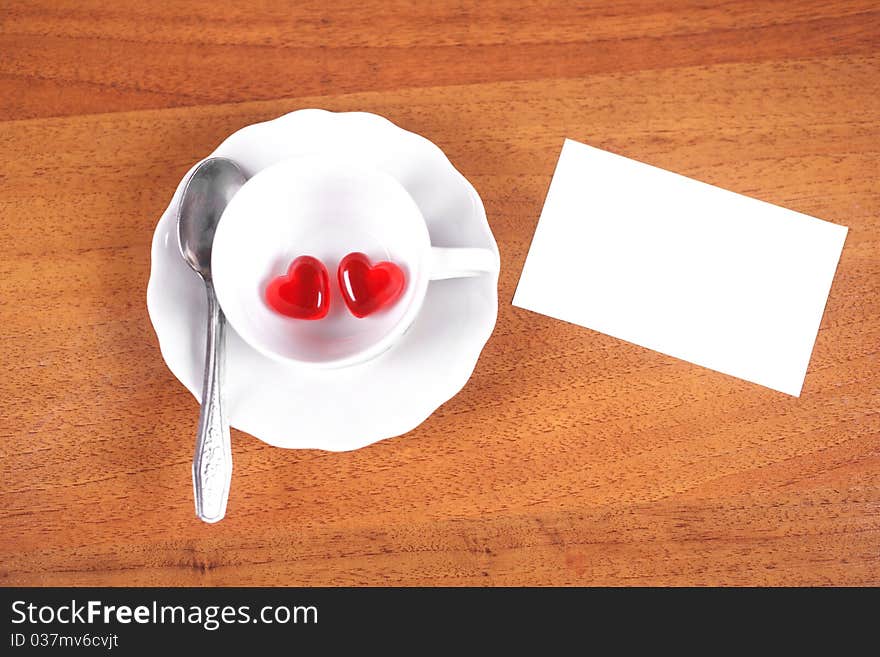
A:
367	288
302	293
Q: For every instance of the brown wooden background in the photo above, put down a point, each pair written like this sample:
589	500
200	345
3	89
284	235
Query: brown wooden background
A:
570	457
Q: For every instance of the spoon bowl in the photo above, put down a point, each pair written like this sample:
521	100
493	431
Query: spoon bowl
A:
210	188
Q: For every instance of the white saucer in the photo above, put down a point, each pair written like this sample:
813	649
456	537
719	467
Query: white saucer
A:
336	410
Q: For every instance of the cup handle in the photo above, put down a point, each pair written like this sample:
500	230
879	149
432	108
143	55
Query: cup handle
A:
461	262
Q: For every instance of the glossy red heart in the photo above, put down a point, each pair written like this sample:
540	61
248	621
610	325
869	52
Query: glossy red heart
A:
368	288
302	293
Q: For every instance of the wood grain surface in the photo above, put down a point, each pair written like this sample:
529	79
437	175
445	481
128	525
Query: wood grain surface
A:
570	457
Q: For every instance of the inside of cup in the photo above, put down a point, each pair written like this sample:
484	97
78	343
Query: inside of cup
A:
325	209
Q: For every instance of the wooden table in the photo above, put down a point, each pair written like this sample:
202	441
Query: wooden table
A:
570	457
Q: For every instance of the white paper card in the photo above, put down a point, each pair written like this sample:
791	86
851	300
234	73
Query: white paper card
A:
682	267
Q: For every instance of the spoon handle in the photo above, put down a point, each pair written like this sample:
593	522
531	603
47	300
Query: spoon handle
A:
212	462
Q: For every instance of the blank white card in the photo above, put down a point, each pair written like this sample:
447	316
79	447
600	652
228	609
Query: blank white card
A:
681	267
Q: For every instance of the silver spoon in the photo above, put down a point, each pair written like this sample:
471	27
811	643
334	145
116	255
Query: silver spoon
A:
214	182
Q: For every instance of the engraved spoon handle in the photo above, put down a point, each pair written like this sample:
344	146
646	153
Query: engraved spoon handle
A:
212	462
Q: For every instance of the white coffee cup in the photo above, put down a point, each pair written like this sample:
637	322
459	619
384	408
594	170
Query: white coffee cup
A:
314	206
